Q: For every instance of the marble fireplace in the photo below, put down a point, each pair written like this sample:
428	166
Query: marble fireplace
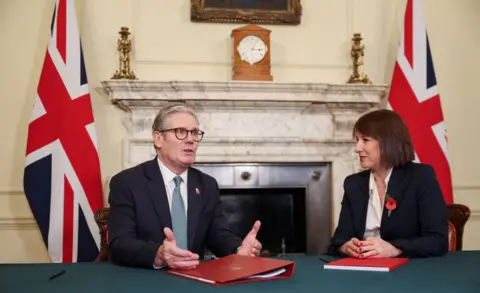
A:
279	151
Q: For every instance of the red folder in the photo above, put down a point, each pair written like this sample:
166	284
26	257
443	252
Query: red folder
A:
366	264
235	269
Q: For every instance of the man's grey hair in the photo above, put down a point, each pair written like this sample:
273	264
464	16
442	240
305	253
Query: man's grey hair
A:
160	122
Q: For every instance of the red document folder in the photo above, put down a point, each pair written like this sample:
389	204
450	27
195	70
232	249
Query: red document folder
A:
366	264
235	269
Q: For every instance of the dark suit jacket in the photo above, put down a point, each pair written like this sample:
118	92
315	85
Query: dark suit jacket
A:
139	211
419	224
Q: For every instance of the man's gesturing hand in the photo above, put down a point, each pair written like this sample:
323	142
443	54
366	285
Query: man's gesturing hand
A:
250	245
170	255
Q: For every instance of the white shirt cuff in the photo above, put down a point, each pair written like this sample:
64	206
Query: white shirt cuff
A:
157	268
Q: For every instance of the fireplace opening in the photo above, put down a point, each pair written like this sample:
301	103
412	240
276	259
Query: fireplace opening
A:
292	200
281	211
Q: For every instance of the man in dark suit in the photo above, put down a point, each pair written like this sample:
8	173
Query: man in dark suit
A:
395	208
151	199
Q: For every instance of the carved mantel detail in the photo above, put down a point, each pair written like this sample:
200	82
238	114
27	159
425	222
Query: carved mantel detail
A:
254	121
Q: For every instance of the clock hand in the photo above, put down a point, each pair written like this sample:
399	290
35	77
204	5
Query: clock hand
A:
254	44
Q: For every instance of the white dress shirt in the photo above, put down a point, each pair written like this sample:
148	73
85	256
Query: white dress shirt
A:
375	208
168	176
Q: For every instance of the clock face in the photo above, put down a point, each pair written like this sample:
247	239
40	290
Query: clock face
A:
252	49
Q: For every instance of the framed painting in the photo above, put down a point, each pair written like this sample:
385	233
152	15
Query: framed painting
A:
246	11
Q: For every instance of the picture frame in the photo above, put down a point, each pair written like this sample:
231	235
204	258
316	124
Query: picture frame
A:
281	12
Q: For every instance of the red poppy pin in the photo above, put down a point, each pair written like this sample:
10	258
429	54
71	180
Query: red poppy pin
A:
197	191
390	204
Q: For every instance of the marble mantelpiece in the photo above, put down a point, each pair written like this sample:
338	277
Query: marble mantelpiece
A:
254	121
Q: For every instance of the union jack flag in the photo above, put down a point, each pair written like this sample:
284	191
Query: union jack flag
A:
414	96
62	179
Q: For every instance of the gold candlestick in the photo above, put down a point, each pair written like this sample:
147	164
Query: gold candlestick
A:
124	47
357	53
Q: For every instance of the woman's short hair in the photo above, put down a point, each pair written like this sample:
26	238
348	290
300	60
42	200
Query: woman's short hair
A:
386	126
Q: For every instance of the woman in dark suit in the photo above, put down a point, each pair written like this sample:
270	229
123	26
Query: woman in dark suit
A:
395	208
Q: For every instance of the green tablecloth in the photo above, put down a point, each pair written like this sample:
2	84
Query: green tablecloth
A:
456	272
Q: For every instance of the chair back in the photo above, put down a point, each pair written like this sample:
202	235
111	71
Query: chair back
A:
452	237
101	218
458	215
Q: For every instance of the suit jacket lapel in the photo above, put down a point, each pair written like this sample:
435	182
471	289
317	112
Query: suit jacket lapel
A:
396	189
195	206
157	193
362	205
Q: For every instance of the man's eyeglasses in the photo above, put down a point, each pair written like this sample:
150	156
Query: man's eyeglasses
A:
182	133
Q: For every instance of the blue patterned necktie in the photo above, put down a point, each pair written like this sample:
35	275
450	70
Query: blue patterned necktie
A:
179	218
